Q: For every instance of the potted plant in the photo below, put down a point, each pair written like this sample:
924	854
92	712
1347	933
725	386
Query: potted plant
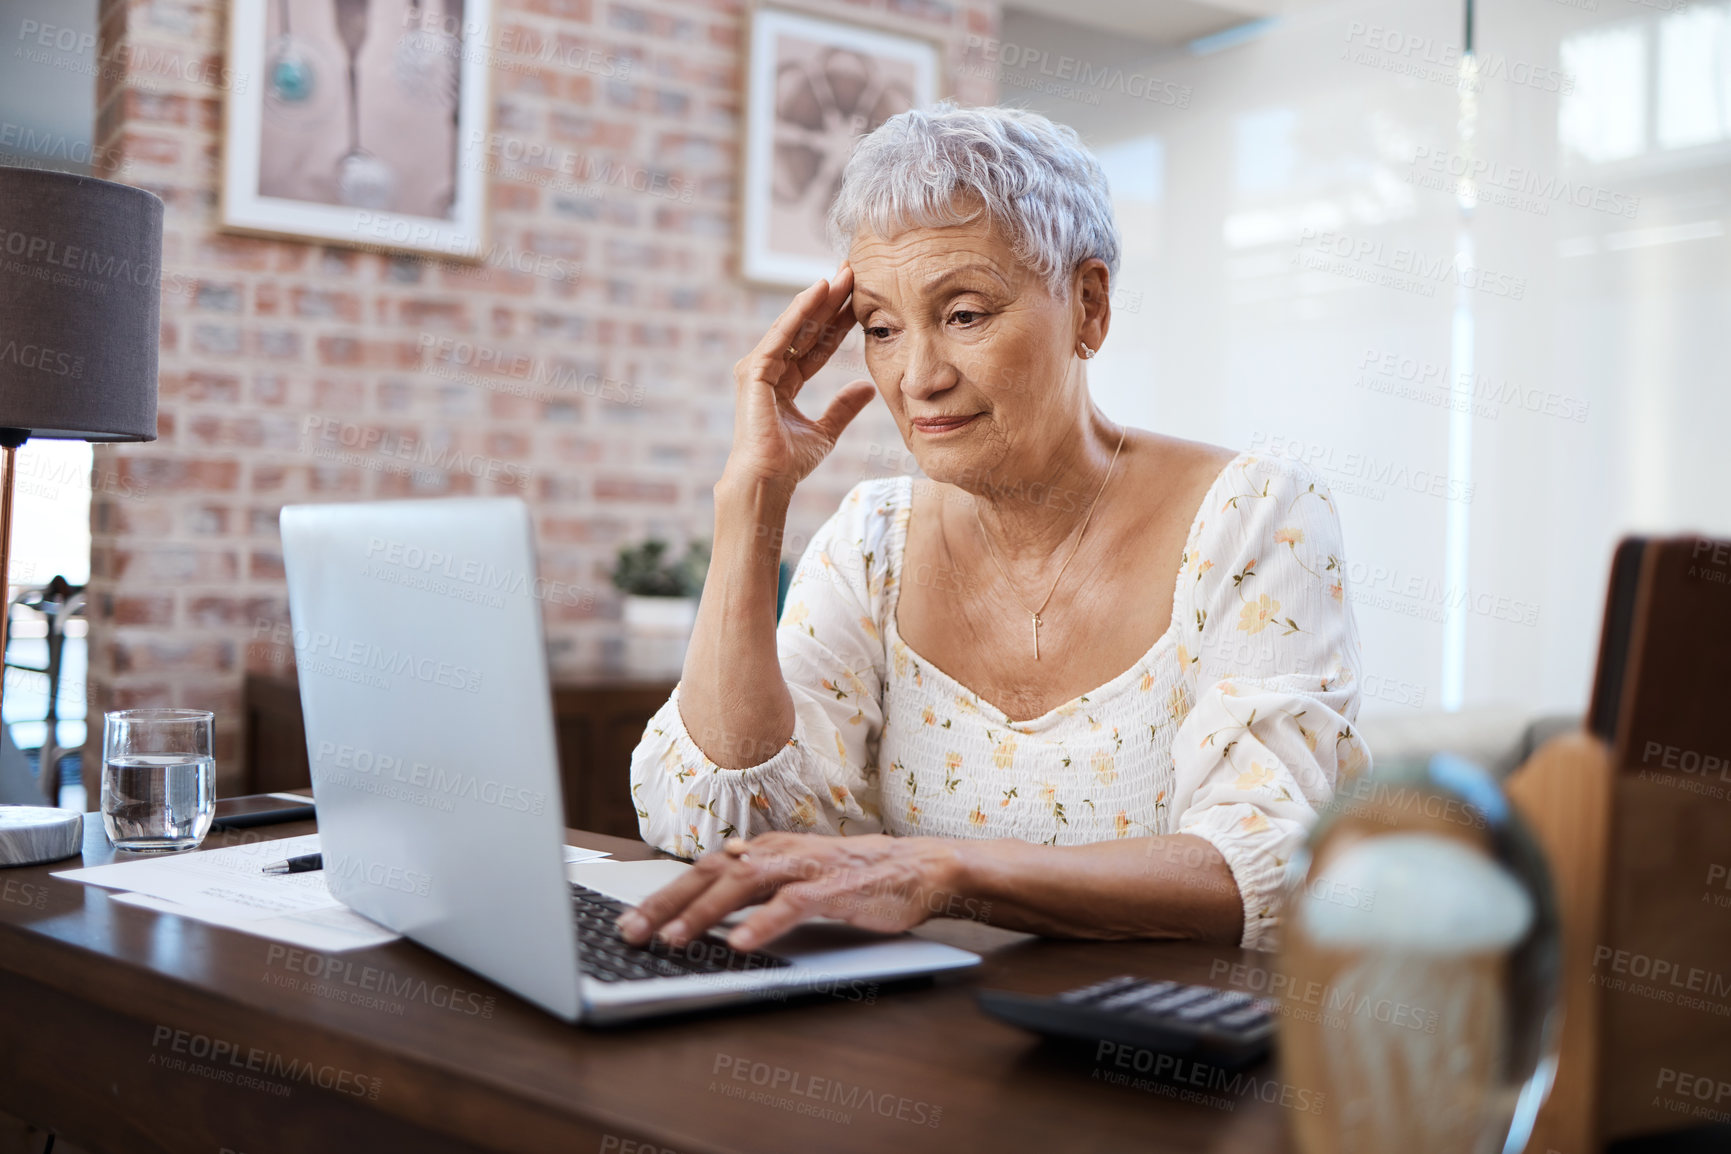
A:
660	602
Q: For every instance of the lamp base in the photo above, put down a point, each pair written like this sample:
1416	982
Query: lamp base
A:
33	834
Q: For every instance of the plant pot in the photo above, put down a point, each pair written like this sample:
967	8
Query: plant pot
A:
657	631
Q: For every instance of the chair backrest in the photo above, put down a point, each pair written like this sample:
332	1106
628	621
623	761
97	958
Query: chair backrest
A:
58	602
1635	815
17	785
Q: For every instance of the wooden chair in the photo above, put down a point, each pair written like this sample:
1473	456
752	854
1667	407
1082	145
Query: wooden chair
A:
1634	813
58	602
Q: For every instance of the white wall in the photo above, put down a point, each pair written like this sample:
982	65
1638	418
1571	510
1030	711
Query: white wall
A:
1284	235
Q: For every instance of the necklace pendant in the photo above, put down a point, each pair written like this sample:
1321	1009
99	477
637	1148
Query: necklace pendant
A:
1036	620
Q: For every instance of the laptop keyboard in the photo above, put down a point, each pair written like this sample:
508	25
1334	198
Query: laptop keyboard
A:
606	956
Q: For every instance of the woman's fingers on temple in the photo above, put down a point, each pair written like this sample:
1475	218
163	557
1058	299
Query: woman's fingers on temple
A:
824	322
799	330
795	317
838	322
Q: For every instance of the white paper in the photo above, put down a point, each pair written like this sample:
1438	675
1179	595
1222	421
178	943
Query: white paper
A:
326	931
232	874
228	887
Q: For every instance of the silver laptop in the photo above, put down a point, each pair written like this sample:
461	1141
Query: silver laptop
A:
429	725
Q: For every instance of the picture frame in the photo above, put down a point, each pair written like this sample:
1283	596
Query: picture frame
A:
360	123
814	84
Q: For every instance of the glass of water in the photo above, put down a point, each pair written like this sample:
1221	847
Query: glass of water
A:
158	778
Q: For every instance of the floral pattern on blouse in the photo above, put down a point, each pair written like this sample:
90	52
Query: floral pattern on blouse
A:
1235	726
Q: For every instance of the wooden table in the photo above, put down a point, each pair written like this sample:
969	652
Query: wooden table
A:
130	1031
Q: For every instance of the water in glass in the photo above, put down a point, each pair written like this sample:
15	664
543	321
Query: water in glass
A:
158	801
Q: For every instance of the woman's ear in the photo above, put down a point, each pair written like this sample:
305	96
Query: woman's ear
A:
1091	297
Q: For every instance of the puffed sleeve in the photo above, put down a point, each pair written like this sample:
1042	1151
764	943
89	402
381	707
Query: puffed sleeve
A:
824	780
1272	655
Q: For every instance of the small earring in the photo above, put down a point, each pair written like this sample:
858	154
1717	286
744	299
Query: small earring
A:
1087	352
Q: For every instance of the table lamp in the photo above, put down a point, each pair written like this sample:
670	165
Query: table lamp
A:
80	284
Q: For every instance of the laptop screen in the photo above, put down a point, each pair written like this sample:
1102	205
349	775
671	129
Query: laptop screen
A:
424	685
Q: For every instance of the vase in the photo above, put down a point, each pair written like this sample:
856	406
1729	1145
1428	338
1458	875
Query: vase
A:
657	631
1420	969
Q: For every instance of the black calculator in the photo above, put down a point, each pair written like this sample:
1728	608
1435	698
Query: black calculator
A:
1224	1028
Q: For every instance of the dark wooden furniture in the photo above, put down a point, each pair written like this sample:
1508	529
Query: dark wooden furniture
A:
598	718
1634	815
133	1032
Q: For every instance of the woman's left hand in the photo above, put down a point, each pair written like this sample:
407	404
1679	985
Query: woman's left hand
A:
876	882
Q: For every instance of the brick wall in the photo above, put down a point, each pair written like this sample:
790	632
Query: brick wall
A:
298	372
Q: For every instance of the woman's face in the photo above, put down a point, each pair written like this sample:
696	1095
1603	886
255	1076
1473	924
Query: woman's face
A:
971	351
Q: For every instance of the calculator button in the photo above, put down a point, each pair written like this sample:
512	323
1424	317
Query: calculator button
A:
1220	1003
1136	996
1240	1019
1197	1011
1183	997
1099	989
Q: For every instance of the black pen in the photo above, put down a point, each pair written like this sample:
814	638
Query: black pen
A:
306	863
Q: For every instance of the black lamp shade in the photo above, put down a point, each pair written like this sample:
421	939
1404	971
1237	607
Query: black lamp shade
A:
80	304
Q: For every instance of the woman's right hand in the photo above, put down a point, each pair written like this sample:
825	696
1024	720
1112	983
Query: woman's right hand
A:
774	444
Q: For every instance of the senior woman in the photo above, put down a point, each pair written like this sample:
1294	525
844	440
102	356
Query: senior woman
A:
1084	680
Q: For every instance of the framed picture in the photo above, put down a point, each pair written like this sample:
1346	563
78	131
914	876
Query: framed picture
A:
358	122
813	86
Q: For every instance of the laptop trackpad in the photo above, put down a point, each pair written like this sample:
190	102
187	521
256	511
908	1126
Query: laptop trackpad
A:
626	881
825	936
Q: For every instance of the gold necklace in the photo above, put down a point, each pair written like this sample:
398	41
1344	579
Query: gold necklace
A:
1034	614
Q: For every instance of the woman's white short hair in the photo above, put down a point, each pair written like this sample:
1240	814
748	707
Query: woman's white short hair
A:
946	165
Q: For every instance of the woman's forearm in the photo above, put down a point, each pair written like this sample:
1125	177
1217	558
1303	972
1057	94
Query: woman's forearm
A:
732	697
1173	886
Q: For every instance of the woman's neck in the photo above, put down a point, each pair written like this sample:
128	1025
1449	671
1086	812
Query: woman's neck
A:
1031	509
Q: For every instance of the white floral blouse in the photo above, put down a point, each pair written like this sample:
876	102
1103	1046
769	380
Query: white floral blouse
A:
1234	727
